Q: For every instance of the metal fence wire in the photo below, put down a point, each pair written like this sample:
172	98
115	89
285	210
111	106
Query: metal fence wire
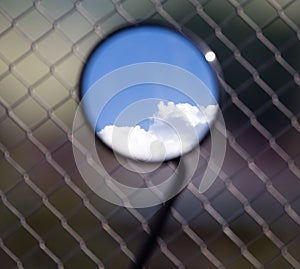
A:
249	218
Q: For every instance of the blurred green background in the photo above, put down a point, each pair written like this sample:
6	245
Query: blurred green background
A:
250	218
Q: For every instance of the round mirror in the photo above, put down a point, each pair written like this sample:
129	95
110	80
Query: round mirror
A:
150	93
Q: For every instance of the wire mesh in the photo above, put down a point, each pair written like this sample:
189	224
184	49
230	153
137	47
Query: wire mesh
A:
249	218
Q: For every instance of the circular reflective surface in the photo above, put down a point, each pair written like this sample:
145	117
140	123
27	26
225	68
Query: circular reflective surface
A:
154	93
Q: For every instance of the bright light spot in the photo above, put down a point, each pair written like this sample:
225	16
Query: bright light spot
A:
210	56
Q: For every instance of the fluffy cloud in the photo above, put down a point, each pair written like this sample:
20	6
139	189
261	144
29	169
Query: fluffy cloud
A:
176	129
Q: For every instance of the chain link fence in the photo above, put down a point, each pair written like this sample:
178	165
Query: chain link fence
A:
249	218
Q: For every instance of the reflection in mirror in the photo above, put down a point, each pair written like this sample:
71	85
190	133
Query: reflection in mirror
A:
154	93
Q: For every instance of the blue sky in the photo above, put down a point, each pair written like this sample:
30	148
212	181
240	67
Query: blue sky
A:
147	44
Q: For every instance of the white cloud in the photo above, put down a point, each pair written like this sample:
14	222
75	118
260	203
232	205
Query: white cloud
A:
191	114
176	129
